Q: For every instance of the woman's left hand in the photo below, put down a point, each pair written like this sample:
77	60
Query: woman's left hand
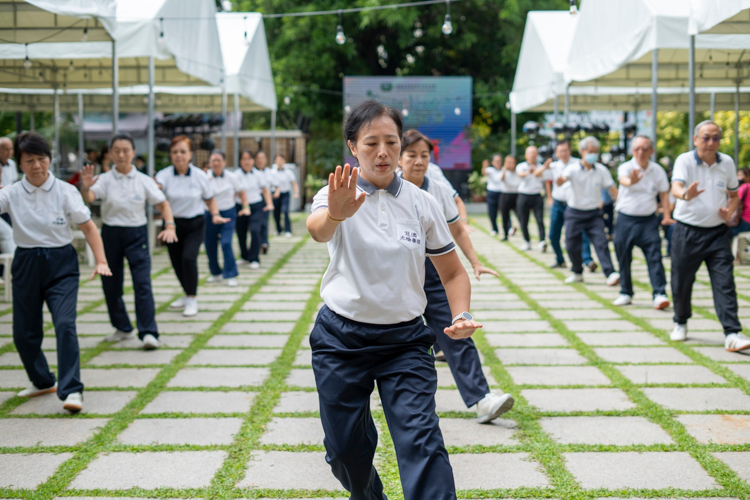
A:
217	219
102	270
479	270
244	211
462	329
295	195
168	235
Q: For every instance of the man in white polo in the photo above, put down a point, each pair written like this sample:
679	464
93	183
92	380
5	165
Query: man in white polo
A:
587	179
704	182
637	224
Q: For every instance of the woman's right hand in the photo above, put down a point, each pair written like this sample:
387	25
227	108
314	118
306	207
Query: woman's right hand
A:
342	193
87	177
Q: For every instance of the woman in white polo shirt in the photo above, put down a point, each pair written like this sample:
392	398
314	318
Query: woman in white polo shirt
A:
509	182
261	165
124	193
188	192
492	172
45	268
259	199
225	185
379	230
286	182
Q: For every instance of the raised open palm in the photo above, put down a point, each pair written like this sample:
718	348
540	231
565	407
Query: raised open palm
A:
87	176
343	201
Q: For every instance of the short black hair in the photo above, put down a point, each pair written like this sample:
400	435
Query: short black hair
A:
248	152
218	152
32	143
122	136
364	113
564	142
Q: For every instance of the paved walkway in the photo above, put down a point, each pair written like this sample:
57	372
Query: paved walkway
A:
606	404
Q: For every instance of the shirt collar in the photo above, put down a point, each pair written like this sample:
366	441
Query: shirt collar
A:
394	187
120	175
222	173
698	160
30	188
425	184
187	174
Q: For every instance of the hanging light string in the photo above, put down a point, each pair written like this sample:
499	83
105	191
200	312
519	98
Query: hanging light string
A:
357	9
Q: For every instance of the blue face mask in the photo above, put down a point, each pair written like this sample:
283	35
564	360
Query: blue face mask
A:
591	158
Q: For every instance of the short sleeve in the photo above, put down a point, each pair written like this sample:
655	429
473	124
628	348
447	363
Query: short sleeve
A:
161	177
569	171
320	200
100	187
75	208
237	182
154	195
663	185
207	191
679	173
732	182
438	239
5	199
607	181
448	203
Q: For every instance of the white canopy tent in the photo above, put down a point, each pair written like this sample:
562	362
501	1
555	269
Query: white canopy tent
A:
719	17
624	43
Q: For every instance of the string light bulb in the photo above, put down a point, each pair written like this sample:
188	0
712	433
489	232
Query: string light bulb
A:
457	111
160	41
71	67
85	35
573	8
287	100
26	61
340	37
447	25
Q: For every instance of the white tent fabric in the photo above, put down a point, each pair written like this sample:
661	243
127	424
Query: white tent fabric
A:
540	72
77	8
246	60
719	16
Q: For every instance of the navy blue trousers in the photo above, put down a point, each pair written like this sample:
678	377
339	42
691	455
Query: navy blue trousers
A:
461	354
264	228
240	227
348	358
557	221
129	243
281	206
493	204
253	223
51	275
221	234
592	223
642	232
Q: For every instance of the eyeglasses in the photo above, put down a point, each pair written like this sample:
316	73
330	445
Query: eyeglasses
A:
708	138
641	150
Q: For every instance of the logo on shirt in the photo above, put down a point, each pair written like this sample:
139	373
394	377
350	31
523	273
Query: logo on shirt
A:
721	184
58	221
410	237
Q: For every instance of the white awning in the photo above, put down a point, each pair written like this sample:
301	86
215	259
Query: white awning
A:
719	16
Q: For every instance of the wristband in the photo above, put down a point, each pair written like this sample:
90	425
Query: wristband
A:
216	214
245	206
170	224
335	220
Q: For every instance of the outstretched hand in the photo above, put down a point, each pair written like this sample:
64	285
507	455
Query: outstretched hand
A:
480	270
693	191
343	201
168	235
462	329
218	220
635	176
102	270
87	177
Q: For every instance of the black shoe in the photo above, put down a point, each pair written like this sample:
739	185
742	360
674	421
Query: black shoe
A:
593	266
505	239
558	265
264	248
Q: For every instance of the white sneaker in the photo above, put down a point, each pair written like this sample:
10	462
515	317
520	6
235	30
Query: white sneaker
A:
512	231
613	279
232	282
243	262
736	342
33	390
574	278
215	279
679	333
542	246
661	301
288	234
526	246
119	336
623	300
255	265
74	402
191	307
492	406
493	233
150	342
179	303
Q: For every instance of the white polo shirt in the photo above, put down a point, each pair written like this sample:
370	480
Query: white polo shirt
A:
186	193
253	183
42	215
124	197
443	196
586	185
556	168
9	173
224	188
267	174
639	200
377	268
284	178
716	179
494	183
531	184
509	182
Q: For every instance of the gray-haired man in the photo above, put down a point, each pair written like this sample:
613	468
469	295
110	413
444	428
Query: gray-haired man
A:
704	182
587	179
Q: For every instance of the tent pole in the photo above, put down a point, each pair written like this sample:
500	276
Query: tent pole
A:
273	136
691	74
567	104
31	120
150	167
224	115
654	103
737	125
513	134
556	109
56	148
115	89
236	156
713	105
81	153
